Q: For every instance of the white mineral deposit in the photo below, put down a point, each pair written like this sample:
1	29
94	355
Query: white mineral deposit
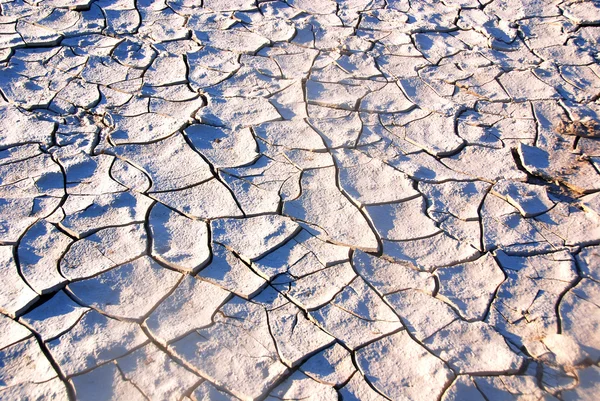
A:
300	200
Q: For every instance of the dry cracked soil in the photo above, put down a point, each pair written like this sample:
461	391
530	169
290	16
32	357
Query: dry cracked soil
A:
300	200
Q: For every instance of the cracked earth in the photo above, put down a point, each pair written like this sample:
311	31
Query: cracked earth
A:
300	200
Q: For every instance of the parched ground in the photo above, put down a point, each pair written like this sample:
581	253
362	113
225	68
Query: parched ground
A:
302	200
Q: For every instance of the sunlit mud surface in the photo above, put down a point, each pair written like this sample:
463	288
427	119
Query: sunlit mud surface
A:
302	200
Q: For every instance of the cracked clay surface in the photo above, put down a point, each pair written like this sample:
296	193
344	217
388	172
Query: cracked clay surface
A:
309	200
